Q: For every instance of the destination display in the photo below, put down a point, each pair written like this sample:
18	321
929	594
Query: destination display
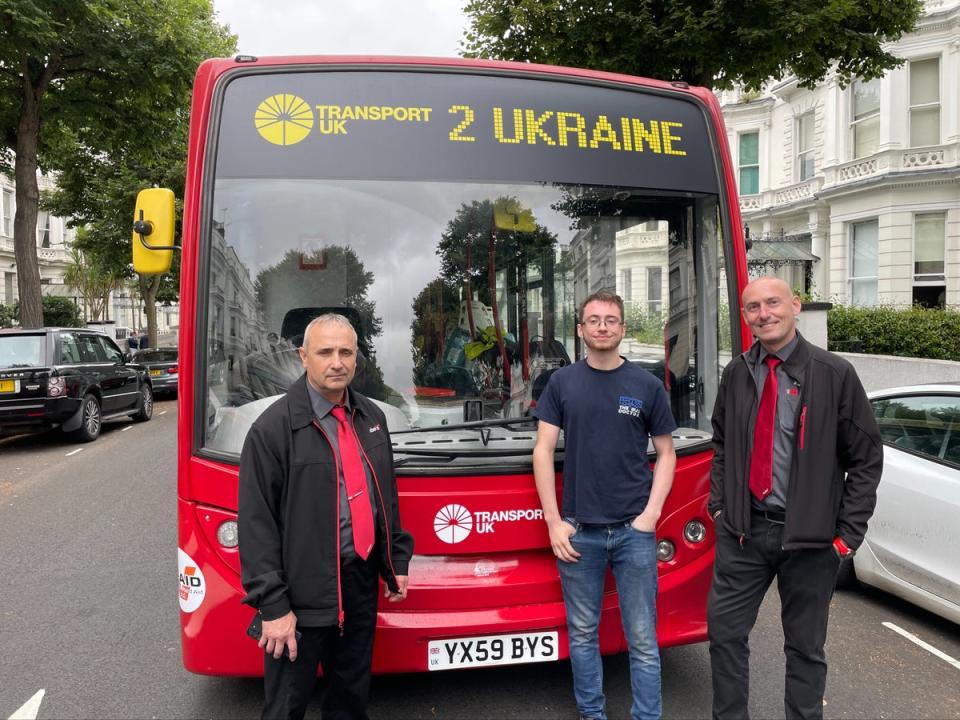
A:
374	124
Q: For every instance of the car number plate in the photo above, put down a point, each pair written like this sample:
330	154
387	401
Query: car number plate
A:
492	650
9	386
154	372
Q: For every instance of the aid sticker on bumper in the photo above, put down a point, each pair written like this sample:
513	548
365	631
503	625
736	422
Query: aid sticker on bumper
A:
192	586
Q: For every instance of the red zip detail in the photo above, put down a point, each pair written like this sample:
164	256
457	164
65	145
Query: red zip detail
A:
336	485
803	425
376	483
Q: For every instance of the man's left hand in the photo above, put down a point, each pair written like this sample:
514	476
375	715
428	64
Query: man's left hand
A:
645	521
402	587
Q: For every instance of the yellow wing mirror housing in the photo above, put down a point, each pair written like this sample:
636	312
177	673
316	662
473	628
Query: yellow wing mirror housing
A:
153	225
508	214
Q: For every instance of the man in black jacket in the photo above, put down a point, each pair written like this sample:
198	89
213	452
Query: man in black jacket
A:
319	522
797	461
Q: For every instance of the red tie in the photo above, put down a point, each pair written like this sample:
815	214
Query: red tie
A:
761	463
355	479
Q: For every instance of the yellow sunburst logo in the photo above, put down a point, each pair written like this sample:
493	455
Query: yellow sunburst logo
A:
284	119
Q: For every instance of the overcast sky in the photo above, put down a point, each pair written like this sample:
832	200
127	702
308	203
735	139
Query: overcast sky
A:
360	27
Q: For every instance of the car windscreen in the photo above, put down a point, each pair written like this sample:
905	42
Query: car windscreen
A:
21	350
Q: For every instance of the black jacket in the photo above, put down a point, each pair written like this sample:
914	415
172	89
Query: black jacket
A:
288	509
837	456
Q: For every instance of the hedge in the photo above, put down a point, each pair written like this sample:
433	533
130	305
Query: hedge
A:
907	332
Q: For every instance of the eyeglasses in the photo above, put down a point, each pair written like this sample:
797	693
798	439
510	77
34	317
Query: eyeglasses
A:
594	321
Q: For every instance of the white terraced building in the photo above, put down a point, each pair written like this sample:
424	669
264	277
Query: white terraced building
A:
853	194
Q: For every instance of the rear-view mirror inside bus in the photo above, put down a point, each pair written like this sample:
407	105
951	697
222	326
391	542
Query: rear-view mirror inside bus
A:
153	231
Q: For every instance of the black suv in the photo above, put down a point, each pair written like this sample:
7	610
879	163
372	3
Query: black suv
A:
71	378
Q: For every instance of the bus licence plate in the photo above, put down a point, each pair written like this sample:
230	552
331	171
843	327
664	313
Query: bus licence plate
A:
9	386
492	650
154	372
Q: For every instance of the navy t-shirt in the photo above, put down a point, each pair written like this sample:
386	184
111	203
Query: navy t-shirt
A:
607	418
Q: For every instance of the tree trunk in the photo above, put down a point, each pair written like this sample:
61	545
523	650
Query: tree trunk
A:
149	287
25	219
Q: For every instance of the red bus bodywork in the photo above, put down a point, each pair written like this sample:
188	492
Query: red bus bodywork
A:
474	589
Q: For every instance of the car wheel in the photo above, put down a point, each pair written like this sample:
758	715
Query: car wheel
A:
90	419
146	404
846	574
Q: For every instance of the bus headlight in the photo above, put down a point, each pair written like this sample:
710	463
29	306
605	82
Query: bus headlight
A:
665	551
228	534
695	531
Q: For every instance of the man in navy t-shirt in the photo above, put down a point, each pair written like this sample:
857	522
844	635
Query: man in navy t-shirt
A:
608	409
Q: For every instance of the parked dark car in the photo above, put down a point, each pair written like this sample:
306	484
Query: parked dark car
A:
68	378
162	366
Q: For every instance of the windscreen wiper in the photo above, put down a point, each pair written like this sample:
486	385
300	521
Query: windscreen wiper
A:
483	426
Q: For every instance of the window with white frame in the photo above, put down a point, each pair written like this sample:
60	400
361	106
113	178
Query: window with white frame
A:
865	117
43	229
925	102
654	289
864	241
749	159
928	246
805	164
7	210
626	285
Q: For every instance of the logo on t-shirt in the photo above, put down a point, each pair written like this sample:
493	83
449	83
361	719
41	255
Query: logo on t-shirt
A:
630	406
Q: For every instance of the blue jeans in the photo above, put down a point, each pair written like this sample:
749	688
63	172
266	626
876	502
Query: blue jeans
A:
632	556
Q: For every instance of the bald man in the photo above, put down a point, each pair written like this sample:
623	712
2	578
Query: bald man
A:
794	480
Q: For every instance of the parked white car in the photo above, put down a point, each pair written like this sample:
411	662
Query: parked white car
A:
911	545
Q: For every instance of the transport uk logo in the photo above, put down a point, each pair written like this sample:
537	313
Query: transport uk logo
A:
284	119
453	523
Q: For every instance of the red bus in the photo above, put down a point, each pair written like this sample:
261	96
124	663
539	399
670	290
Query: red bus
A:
457	211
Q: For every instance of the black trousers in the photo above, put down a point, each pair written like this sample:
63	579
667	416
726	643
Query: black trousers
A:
741	577
345	659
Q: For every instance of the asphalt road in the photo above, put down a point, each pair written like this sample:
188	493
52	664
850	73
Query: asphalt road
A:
88	613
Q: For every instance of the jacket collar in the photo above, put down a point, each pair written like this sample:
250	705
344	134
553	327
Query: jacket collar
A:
793	365
301	409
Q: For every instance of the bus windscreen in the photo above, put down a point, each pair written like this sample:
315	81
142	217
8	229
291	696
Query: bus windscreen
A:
457	219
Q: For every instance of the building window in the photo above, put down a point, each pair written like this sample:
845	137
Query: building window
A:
865	115
7	210
925	102
654	290
929	240
626	285
43	229
805	146
864	238
749	159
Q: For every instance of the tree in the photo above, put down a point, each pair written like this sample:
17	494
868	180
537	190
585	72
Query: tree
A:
93	78
716	43
93	277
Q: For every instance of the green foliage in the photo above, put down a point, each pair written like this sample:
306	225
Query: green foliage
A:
61	312
99	92
716	44
7	315
643	326
913	332
57	312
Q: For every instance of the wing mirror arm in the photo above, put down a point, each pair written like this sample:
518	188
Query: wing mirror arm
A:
143	228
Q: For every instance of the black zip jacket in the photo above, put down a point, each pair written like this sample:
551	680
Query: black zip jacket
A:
289	509
837	455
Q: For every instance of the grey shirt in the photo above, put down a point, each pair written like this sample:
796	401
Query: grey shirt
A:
788	402
322	409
